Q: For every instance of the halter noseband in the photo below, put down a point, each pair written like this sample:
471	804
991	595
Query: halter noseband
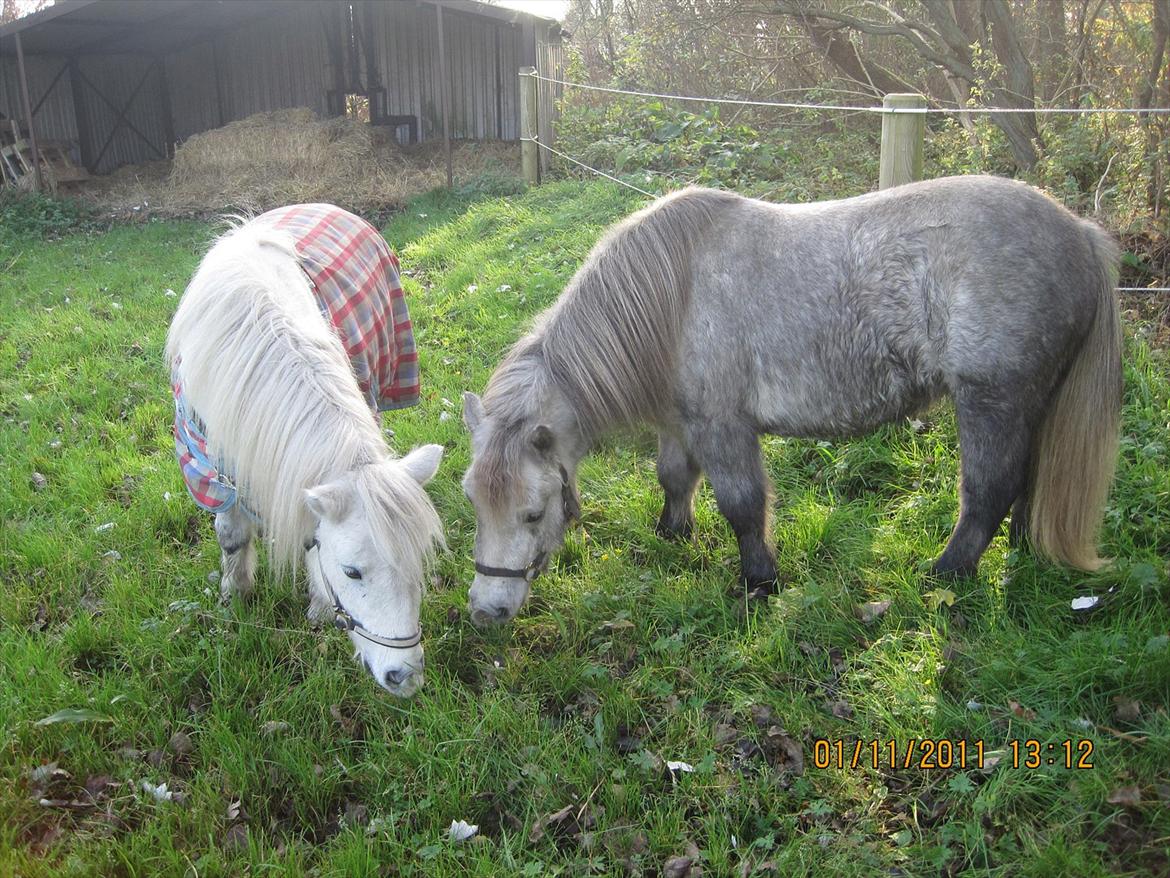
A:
345	621
536	565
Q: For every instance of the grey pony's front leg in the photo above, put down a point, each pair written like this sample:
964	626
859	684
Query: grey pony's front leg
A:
729	453
679	476
235	532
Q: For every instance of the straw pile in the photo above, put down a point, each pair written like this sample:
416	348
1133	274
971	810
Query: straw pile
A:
291	156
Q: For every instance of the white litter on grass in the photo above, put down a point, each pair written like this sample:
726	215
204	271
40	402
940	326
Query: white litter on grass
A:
680	766
170	294
461	830
160	792
102	528
112	555
167	496
471	288
117	306
974	705
1085	602
444	416
447	404
503	288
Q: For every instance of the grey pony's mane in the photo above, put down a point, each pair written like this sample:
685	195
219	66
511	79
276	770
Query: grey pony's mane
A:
610	342
282	408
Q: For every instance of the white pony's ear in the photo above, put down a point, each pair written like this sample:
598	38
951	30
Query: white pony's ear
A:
472	411
423	462
329	502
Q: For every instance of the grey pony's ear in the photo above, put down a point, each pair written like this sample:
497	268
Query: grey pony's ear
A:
472	411
423	462
329	502
542	439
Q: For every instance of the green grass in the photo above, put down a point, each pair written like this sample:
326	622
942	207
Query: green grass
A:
629	653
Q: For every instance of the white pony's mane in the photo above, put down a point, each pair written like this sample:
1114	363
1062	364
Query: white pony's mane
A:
273	384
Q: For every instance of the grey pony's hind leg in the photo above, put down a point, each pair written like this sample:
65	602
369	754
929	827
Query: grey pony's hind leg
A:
995	442
235	532
679	476
729	454
1018	529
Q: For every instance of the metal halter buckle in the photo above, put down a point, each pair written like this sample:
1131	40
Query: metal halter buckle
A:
345	621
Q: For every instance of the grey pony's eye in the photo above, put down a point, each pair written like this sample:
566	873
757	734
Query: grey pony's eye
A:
534	517
352	572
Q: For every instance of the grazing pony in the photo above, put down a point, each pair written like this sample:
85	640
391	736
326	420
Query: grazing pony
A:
287	343
715	318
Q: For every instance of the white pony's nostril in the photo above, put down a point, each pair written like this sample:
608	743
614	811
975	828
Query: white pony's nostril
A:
396	676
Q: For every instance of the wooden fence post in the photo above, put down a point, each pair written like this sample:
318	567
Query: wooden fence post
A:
902	136
529	127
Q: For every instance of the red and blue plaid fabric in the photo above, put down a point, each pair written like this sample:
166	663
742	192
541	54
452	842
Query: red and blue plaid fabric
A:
354	276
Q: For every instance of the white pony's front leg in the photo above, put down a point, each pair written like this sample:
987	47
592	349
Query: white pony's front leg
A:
235	531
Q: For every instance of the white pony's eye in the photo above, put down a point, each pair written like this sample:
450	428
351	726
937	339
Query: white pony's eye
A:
352	572
534	517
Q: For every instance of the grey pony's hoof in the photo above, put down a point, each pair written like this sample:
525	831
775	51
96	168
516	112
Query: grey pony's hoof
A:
675	533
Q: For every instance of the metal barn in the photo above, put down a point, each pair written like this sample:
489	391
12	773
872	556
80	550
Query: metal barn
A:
116	82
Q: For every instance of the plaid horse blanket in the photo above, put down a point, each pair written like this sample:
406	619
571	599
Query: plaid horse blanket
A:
354	275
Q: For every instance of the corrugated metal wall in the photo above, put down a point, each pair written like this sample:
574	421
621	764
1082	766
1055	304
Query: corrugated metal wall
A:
55	118
483	56
282	62
118	78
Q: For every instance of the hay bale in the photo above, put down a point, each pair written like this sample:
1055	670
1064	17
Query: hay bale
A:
289	156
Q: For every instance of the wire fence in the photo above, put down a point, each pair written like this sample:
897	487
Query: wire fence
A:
822	107
912	111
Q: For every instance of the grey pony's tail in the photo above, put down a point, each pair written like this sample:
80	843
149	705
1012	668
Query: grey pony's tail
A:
1076	448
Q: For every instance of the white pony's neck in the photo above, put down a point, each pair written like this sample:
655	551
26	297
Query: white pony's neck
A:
271	381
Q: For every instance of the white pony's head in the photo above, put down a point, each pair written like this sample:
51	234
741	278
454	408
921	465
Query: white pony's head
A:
375	532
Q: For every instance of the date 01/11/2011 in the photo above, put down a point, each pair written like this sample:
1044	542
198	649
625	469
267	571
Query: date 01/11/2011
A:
944	753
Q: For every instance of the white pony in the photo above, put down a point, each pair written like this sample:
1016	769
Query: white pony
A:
277	398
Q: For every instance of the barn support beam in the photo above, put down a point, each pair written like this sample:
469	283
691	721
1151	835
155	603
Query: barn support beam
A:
168	118
444	96
81	116
28	114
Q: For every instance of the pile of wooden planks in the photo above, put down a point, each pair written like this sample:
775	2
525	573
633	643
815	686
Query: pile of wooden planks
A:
16	161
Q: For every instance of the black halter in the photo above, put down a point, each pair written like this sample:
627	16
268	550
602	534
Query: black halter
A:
344	620
536	565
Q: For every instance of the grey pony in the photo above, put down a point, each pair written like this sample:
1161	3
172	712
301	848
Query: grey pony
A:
715	318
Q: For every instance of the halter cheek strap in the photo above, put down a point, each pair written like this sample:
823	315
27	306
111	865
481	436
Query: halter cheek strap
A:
536	565
345	620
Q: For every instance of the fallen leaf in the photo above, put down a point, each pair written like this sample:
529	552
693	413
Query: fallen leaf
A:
74	715
679	766
940	596
871	610
233	810
841	709
39	482
1021	711
617	624
273	727
461	830
725	734
181	744
1130	796
236	838
677	867
1127	709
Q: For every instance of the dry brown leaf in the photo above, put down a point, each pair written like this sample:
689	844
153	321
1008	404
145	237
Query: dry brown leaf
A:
871	610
